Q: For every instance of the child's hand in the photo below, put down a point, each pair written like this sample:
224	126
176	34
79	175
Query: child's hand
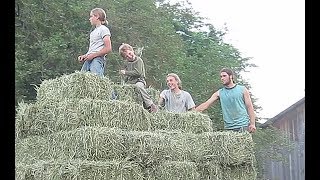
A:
81	58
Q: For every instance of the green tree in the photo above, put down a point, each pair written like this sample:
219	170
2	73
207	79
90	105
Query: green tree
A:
48	37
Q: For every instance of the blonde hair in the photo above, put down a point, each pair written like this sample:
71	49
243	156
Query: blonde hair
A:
101	14
124	47
176	77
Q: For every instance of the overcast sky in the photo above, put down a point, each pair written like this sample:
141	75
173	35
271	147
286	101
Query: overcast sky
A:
272	32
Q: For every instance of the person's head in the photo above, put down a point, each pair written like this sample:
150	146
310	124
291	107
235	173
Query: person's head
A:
126	51
227	76
98	16
173	81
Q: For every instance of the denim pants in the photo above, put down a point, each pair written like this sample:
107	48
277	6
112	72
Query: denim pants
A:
96	65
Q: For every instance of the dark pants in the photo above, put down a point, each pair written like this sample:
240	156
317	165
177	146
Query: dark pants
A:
241	129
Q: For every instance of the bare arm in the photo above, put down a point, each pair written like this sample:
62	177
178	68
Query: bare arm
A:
250	110
161	100
206	104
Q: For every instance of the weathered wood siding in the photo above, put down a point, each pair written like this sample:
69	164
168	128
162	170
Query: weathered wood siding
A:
292	121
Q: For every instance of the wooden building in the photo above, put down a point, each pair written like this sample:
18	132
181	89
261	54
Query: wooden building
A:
291	121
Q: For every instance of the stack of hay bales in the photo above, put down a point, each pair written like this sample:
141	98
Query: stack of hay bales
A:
75	130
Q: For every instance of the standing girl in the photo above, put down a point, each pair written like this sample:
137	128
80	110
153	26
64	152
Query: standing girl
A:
100	44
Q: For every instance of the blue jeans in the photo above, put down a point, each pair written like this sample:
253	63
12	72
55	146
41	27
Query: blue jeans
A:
96	65
114	95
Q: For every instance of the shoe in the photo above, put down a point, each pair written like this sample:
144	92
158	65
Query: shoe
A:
153	108
114	95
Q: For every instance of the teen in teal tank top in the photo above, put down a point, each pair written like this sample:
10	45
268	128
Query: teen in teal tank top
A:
233	107
236	105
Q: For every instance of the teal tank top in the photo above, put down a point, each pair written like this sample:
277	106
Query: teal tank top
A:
233	107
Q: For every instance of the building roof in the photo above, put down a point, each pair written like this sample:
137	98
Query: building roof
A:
281	114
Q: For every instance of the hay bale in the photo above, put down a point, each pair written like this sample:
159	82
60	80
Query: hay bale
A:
25	171
152	148
130	93
229	147
184	146
173	170
76	85
210	170
79	169
237	148
190	121
214	170
22	121
239	172
87	143
147	148
46	117
129	116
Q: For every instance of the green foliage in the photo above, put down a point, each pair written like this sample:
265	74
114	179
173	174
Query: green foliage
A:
47	41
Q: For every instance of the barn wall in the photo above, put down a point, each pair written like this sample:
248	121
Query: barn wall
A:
292	122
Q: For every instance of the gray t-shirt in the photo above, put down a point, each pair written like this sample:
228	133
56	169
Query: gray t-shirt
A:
177	102
96	38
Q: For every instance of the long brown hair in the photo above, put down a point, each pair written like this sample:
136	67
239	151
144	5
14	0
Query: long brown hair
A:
229	72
